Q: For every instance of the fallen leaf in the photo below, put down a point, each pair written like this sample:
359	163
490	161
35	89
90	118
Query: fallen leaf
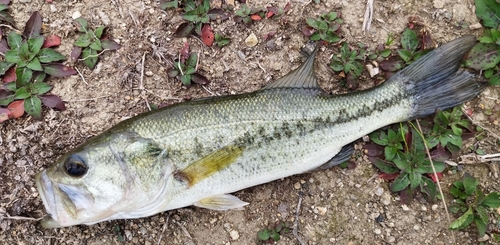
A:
52	41
52	101
388	176
433	177
255	17
207	36
16	109
287	7
10	75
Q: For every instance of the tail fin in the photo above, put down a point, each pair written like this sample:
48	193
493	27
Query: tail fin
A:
435	82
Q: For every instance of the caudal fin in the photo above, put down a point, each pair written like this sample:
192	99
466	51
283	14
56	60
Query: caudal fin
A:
435	82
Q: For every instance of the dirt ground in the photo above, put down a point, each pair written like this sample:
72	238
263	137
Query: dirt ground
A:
337	206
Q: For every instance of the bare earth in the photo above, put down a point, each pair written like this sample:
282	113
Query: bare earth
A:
337	206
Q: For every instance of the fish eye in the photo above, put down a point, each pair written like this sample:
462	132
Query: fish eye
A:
75	166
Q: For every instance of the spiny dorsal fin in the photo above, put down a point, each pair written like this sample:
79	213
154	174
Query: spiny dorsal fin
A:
209	164
302	77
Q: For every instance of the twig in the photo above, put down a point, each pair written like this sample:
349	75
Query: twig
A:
184	230
179	64
477	124
95	55
437	180
141	86
133	18
164	227
296	221
262	68
10	27
81	75
18	217
368	16
210	92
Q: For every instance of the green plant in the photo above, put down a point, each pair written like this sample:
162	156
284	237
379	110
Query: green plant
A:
4	12
473	203
408	166
221	41
248	15
185	70
410	43
324	28
273	233
90	42
27	62
448	129
348	60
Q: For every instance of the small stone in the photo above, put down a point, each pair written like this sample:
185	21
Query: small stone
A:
149	73
379	191
475	26
391	239
25	1
234	235
424	208
76	15
377	231
213	220
416	227
405	208
439	4
251	40
296	185
53	8
321	210
385	198
434	207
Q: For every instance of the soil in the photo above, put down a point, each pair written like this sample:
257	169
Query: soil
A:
337	206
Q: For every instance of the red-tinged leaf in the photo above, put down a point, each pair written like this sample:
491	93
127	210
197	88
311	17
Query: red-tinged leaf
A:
255	17
427	42
52	101
271	11
433	177
269	35
269	14
308	31
405	196
4	47
408	140
287	7
16	109
52	41
440	154
207	36
469	112
4	114
75	54
199	79
33	26
110	44
351	165
394	63
184	29
217	13
10	75
58	70
184	52
388	177
373	150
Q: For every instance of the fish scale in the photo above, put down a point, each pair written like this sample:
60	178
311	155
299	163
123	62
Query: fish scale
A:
199	151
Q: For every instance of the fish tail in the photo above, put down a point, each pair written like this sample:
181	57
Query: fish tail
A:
435	82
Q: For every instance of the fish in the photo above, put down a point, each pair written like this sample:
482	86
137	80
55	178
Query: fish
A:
198	152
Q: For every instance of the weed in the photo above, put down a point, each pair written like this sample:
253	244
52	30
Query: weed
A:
325	28
348	61
28	60
184	69
273	233
473	203
4	12
221	41
90	43
248	15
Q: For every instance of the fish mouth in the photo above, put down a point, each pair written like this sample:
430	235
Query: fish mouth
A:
46	191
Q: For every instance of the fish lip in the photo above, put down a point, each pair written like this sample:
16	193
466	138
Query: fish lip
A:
46	191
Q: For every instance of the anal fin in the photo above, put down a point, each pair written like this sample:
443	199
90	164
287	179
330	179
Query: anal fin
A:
221	202
343	155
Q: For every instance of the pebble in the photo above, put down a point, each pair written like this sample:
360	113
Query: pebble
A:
434	207
391	239
379	191
439	4
25	1
234	235
416	227
296	185
475	26
424	208
53	8
385	198
377	231
405	208
149	73
76	15
321	210
251	40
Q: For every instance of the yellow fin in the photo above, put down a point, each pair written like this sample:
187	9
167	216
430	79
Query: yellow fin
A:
221	202
209	164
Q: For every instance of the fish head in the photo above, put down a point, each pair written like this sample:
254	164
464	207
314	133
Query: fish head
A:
103	180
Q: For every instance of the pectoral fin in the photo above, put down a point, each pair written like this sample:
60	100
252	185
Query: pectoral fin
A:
208	165
221	202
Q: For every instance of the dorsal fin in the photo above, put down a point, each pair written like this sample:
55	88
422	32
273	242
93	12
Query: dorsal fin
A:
302	77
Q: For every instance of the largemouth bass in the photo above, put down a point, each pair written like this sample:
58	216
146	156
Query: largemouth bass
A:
196	152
